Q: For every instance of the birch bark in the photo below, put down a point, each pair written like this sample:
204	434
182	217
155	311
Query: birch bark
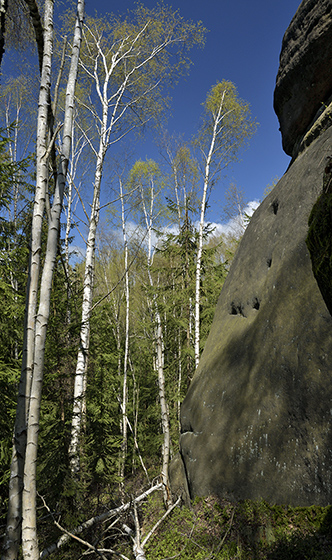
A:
83	352
14	517
227	125
126	349
217	117
149	217
29	506
23	504
127	66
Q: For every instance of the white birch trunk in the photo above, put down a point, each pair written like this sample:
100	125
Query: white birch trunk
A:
82	358
14	517
159	353
29	506
164	410
126	350
83	352
208	160
35	330
121	51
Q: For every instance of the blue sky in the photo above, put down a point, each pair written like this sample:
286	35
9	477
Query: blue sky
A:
243	45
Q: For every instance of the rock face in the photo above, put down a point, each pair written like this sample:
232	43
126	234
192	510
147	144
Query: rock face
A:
257	418
304	85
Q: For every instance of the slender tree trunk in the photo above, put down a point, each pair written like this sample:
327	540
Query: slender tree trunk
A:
159	355
179	375
28	409
126	349
208	161
14	519
198	268
164	409
29	525
83	352
38	28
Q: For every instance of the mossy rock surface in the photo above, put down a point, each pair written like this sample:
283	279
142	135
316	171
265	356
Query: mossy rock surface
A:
257	418
319	239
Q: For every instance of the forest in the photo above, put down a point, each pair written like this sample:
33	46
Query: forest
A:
109	278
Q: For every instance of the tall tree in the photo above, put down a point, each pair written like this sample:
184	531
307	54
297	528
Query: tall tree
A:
226	126
127	64
146	178
22	505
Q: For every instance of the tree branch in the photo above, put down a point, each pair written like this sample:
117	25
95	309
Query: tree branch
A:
64	539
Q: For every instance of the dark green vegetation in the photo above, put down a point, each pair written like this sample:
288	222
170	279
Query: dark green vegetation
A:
213	529
319	240
101	447
217	529
121	327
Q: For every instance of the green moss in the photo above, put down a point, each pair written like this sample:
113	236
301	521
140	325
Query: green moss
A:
216	529
247	530
319	240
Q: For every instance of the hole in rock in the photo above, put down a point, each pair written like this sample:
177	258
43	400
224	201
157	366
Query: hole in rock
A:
237	309
256	303
269	262
275	206
186	429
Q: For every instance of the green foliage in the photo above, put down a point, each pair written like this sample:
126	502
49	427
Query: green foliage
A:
13	264
247	530
144	54
227	118
162	279
8	392
319	241
102	438
59	369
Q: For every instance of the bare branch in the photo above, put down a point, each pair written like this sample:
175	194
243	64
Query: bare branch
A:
64	539
149	535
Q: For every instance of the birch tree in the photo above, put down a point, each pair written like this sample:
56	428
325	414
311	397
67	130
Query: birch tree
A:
226	127
184	179
127	64
22	505
145	177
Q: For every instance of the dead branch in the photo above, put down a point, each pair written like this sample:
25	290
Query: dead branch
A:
160	521
97	519
138	549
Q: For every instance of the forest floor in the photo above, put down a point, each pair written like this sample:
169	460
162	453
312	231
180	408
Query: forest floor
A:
210	529
217	529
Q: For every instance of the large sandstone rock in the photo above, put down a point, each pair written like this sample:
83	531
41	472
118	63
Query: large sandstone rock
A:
304	84
257	419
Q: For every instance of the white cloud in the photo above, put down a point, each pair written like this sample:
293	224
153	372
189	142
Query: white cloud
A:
76	254
234	226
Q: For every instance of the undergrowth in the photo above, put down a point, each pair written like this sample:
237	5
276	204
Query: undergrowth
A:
215	529
211	529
